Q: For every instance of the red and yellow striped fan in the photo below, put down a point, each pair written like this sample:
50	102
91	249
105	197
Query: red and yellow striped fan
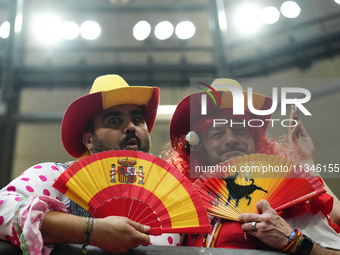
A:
137	185
235	186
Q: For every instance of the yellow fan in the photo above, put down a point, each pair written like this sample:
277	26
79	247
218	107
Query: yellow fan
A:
136	185
235	186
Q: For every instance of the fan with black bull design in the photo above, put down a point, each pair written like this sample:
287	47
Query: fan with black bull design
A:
227	194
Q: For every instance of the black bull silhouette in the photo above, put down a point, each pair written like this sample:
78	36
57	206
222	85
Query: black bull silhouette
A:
237	192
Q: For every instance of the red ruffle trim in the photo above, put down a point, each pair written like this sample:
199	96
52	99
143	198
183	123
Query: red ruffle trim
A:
323	203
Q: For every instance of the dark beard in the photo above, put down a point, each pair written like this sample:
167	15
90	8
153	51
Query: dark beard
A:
99	146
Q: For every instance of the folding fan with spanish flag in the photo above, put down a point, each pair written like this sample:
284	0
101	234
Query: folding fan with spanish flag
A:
136	185
230	190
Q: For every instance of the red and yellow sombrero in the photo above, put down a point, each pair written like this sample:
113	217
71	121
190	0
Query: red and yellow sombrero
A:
188	111
106	91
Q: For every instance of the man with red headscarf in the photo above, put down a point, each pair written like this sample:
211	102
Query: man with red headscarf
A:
197	142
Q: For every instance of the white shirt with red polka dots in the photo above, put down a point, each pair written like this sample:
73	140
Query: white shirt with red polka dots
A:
25	201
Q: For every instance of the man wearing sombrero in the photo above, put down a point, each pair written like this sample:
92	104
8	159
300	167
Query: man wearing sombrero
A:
197	143
113	116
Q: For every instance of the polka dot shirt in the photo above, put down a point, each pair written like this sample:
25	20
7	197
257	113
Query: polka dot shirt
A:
36	182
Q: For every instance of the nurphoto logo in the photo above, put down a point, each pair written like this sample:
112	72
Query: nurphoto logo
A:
238	103
238	99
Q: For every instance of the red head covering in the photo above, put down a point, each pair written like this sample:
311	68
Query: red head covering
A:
187	117
184	157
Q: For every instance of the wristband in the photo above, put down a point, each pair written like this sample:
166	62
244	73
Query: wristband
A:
294	239
87	230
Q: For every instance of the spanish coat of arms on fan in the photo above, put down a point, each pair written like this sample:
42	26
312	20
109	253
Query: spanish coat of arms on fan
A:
136	185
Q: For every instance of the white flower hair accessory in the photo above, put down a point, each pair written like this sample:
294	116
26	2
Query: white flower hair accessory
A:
192	138
192	141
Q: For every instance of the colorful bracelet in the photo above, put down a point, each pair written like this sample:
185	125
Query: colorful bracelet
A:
87	230
294	239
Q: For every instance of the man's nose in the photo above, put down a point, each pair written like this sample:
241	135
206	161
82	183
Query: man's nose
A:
230	137
130	127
